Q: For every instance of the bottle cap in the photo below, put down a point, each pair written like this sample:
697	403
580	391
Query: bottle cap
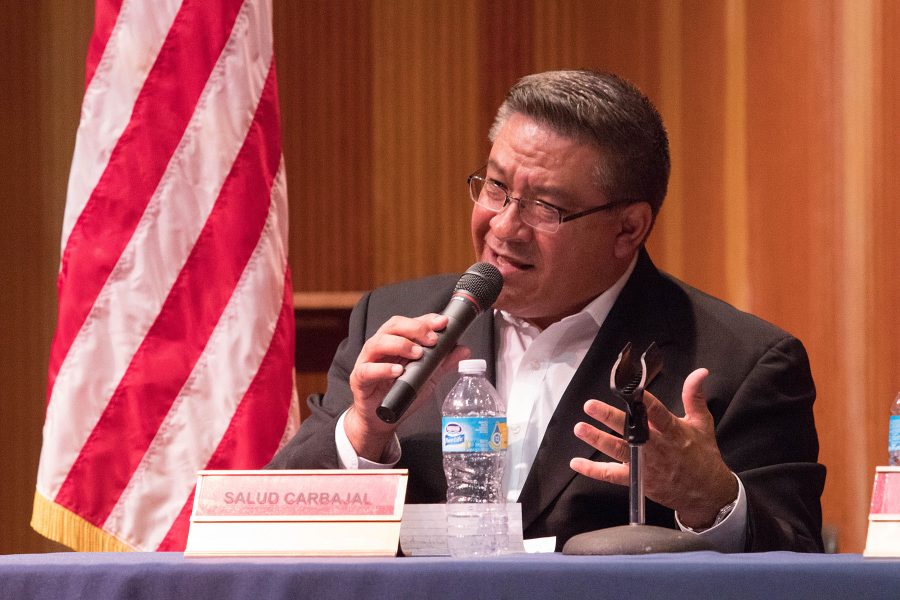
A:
472	366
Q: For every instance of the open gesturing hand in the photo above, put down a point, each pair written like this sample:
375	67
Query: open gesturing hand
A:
683	468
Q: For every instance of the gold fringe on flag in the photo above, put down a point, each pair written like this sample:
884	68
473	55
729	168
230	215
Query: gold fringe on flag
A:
62	525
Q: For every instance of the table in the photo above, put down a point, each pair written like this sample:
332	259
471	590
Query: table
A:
696	575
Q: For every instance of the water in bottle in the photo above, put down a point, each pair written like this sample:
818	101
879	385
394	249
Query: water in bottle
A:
473	437
894	434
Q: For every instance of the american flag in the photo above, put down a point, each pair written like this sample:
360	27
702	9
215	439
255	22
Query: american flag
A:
175	338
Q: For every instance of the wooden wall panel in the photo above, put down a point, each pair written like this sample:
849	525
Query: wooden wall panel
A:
736	169
669	237
886	214
507	29
324	53
41	83
702	144
794	178
426	107
620	36
856	27
20	379
883	326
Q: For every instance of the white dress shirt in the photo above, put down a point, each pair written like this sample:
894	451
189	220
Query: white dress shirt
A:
534	368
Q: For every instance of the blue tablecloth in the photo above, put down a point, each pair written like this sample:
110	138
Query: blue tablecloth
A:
698	575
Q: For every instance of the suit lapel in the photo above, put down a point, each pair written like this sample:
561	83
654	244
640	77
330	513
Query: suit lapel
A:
636	317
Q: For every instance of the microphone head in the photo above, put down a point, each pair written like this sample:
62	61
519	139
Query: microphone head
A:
482	282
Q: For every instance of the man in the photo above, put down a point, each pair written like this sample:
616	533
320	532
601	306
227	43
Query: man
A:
575	178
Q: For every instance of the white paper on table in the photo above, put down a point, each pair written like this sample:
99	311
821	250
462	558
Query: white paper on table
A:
423	529
540	545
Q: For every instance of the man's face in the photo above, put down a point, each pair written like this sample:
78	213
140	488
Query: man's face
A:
547	276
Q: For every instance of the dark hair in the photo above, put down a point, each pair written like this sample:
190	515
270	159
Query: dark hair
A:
608	112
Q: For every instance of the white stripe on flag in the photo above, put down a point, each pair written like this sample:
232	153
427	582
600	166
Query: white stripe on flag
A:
133	45
132	297
203	409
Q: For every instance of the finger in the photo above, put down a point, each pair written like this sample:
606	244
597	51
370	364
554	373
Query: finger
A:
433	323
606	414
384	346
367	374
693	397
614	447
660	417
602	471
421	330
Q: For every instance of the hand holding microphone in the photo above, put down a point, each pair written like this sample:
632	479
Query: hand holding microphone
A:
475	292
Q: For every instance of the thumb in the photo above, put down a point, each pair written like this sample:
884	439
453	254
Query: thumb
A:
694	398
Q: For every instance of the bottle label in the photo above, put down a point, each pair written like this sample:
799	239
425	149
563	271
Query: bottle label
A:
473	434
894	434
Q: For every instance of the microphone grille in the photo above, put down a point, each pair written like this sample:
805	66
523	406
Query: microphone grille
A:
483	281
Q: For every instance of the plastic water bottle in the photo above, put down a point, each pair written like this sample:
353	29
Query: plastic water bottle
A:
894	434
473	437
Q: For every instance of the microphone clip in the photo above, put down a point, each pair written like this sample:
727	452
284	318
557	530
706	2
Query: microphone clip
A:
628	379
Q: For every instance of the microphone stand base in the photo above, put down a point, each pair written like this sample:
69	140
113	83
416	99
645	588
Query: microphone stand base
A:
634	539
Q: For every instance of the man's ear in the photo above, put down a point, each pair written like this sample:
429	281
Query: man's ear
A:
635	222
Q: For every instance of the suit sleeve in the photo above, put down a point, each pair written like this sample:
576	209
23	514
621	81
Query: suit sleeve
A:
314	445
767	436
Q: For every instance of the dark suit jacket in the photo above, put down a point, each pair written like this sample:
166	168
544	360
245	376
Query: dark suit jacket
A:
760	393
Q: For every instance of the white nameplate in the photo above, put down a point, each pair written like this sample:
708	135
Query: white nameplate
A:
297	513
883	539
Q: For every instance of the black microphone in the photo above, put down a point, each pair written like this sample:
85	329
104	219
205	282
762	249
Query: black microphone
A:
475	292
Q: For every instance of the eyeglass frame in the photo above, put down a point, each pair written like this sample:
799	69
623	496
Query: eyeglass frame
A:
561	216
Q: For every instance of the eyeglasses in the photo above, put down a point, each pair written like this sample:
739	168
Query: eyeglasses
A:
493	196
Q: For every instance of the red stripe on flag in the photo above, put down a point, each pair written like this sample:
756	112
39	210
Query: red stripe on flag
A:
136	165
257	426
177	338
105	14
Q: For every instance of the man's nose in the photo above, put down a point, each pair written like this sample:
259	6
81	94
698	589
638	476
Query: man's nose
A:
508	223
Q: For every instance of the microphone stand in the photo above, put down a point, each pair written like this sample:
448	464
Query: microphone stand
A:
628	379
